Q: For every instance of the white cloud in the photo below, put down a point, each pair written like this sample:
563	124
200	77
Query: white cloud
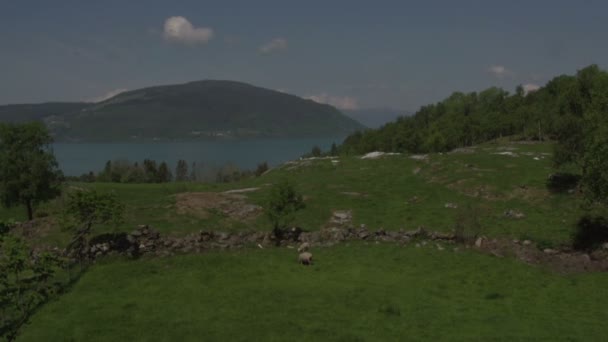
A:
276	44
530	87
108	95
180	30
340	102
499	71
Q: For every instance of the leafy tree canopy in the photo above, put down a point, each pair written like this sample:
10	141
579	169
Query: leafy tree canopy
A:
29	172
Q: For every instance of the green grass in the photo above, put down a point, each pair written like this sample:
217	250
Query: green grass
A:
354	292
388	186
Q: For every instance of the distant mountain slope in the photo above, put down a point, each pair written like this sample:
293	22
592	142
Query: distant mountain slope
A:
197	110
29	112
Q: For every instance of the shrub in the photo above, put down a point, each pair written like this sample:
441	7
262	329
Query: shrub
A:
562	182
591	232
284	202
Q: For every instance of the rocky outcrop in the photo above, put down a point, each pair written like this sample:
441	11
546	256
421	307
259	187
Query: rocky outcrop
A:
146	241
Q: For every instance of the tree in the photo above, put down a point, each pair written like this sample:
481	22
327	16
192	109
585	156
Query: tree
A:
150	171
181	171
334	150
87	208
282	205
316	151
595	169
29	173
193	177
261	169
164	174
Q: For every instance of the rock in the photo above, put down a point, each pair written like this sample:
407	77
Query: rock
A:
550	251
605	245
419	232
439	247
479	242
442	236
341	217
526	243
515	241
363	234
417	245
304	247
599	254
451	205
512	213
136	233
222	236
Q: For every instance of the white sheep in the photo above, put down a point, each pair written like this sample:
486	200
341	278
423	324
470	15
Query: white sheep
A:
304	247
305	258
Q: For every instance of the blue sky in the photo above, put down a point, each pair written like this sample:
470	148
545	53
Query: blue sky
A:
353	54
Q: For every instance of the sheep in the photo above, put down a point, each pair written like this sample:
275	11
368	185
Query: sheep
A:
304	247
305	258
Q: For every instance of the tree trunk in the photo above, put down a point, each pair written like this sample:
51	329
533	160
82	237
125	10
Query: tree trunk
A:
30	210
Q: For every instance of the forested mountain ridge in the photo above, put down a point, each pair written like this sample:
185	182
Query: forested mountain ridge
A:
563	109
197	110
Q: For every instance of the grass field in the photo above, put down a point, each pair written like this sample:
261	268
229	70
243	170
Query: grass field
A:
393	192
354	292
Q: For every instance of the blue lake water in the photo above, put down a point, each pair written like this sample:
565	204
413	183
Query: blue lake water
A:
76	159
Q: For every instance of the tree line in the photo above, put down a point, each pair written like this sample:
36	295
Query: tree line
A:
463	119
572	111
150	171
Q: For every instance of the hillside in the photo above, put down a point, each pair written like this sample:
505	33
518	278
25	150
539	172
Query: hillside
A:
560	109
195	110
415	288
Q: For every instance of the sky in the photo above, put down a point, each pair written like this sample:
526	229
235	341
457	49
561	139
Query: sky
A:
352	54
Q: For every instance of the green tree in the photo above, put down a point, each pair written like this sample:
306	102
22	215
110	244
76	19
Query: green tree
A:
150	171
334	149
29	173
13	262
316	151
261	169
164	173
85	209
282	205
181	171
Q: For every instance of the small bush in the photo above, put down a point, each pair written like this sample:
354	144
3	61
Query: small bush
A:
283	203
261	169
562	182
591	232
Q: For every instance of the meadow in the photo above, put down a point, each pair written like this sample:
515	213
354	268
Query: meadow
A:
354	292
391	192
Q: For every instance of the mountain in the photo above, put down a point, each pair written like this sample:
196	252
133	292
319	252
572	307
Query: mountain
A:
197	110
375	117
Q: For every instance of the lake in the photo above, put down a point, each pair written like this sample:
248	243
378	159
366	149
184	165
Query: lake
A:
76	159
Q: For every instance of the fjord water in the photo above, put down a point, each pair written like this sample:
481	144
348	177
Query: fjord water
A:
76	159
